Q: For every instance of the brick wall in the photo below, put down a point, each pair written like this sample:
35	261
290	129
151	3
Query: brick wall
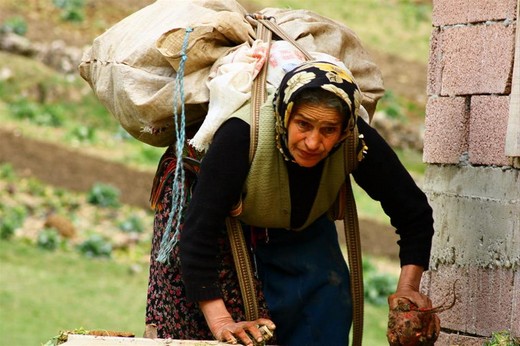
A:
474	192
469	81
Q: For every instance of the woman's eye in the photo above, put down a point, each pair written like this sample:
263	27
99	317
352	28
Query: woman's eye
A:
330	130
303	124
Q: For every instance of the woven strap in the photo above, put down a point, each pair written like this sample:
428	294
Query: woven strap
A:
243	267
239	249
353	240
258	89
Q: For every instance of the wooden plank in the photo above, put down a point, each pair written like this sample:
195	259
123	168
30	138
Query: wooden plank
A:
90	340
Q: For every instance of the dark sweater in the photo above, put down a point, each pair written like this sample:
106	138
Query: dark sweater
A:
223	174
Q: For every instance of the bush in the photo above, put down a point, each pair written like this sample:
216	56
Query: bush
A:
10	220
72	10
16	25
7	171
103	195
83	134
503	338
48	239
43	115
377	286
133	224
95	246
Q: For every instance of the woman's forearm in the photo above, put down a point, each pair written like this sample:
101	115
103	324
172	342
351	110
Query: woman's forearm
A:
410	277
215	313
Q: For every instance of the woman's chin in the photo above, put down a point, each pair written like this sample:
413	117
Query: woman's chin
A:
307	163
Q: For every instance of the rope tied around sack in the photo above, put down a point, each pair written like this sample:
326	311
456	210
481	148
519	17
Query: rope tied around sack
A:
169	240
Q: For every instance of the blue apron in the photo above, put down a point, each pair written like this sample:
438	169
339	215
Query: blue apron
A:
306	284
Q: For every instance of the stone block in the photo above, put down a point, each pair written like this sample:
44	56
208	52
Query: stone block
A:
485	298
448	12
446	339
515	316
476	212
441	287
434	72
476	59
446	127
492	300
487	130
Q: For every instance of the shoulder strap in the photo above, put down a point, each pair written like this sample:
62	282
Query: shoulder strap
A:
353	240
239	249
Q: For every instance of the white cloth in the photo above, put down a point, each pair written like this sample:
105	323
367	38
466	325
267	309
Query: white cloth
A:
229	85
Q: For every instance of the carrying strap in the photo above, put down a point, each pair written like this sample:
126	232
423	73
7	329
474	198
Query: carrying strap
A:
346	204
258	89
239	248
353	240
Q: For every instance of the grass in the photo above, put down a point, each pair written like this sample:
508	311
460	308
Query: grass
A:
53	107
45	292
398	27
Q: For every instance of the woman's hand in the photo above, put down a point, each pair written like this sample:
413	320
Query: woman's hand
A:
408	319
225	329
408	287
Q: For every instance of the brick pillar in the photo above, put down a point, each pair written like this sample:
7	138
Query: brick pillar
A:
474	193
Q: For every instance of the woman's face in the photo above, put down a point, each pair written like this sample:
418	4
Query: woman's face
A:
312	133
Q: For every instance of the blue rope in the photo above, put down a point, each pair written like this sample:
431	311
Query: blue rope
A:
168	240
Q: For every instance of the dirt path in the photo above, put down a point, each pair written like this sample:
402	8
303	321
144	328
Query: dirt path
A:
61	167
76	171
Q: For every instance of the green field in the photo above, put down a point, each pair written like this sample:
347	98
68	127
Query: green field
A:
43	293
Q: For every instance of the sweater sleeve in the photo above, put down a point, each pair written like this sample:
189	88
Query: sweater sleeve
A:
386	180
222	175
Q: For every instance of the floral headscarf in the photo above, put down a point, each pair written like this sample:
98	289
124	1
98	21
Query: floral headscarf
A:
313	75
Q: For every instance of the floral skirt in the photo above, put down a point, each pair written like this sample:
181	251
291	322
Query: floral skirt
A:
167	306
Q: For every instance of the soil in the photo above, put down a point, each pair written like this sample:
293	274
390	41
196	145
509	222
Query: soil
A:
60	166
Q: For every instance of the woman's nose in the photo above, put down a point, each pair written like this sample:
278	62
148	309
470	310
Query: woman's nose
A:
313	140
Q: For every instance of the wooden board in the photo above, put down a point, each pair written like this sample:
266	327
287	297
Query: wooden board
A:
89	340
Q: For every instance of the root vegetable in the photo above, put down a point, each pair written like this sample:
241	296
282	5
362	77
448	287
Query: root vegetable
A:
409	325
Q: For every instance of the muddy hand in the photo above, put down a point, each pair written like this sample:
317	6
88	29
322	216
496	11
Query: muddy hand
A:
248	333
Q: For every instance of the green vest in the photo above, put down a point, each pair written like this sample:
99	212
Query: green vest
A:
266	198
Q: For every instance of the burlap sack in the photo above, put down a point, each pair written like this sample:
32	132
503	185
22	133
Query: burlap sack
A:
135	81
132	66
320	34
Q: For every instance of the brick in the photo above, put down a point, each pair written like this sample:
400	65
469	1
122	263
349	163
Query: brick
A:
493	300
487	130
515	316
441	289
434	72
447	12
445	136
446	339
485	299
476	59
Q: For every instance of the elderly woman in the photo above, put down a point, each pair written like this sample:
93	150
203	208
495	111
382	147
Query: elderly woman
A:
286	194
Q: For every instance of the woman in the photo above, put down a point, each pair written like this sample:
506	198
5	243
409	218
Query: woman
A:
286	193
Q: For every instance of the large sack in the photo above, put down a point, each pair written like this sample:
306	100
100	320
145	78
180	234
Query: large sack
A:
135	82
132	67
320	34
